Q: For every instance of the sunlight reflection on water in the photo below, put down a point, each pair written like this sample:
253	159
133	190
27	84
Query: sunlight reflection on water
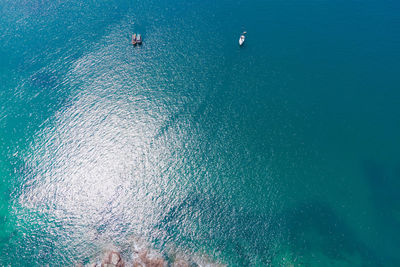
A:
142	149
98	169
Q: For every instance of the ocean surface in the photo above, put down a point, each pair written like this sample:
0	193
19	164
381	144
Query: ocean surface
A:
283	151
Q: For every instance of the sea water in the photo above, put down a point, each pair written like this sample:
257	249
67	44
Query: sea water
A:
280	152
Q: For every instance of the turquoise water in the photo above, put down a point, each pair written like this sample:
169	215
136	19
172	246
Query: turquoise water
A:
284	151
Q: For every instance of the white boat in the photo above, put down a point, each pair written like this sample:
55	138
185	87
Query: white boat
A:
139	39
242	38
134	41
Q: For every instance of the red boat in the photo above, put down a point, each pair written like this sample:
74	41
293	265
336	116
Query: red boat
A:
134	40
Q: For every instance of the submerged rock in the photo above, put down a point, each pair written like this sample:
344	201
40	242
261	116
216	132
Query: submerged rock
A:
144	255
144	259
113	259
180	263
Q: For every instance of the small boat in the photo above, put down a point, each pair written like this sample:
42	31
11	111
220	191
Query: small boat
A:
242	38
134	40
139	39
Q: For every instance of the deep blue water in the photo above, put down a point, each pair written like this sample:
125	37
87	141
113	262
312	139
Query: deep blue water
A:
284	151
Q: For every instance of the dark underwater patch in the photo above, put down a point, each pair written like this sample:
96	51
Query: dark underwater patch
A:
314	227
44	80
233	231
384	185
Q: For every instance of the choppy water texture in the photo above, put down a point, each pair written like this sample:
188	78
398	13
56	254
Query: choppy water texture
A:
284	151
